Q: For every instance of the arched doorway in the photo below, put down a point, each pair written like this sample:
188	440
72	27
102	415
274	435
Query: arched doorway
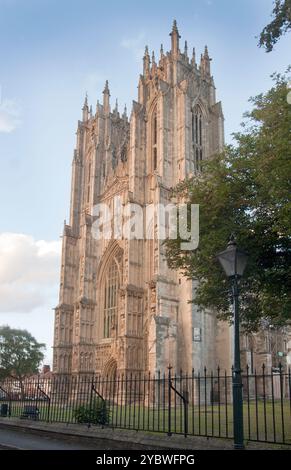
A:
110	376
110	369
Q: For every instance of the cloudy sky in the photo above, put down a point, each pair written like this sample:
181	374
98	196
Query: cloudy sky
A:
51	53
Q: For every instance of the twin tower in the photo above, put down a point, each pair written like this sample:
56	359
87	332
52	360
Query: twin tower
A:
121	309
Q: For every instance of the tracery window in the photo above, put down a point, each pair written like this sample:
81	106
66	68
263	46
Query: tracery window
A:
111	286
197	137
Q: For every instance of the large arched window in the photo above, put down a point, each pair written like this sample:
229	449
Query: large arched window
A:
197	137
155	140
111	286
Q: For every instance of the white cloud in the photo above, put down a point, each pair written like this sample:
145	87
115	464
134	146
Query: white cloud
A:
135	45
29	272
9	115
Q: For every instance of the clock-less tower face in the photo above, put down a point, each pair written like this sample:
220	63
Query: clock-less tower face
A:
121	308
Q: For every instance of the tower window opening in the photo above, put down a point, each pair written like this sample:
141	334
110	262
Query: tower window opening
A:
155	158
110	299
197	137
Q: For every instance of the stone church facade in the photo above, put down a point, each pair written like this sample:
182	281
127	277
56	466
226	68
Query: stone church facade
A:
121	309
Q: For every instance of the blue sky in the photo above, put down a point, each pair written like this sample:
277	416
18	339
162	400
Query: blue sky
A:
52	52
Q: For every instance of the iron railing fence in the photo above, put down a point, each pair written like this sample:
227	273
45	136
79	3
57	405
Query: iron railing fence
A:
197	404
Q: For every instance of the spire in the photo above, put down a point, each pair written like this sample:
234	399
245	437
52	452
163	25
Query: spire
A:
206	53
201	62
106	88
175	27
85	101
175	39
106	96
186	49
116	106
193	60
154	65
85	108
91	111
97	107
146	62
206	62
124	115
162	51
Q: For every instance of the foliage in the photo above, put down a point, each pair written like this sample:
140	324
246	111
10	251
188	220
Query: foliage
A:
245	190
97	413
20	353
280	25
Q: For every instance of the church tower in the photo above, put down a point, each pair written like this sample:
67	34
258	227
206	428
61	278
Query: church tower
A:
121	309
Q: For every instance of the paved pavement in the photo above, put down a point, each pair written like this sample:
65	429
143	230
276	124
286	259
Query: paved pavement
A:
34	439
17	439
36	435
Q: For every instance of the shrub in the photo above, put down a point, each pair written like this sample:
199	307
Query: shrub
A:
97	413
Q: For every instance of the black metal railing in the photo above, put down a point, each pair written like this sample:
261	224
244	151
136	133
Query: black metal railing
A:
196	404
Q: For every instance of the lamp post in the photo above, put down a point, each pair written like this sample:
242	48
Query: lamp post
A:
233	262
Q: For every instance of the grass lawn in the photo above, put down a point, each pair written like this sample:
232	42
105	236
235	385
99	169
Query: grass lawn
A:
262	421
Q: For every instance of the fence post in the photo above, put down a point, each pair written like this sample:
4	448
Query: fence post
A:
90	402
289	383
282	401
219	403
248	401
264	400
169	400
185	403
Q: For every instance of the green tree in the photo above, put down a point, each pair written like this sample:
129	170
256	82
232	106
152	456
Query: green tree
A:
246	191
280	25
20	354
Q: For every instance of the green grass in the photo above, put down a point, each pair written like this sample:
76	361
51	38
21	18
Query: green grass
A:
262	422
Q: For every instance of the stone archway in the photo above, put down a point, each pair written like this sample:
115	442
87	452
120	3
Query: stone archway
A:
110	369
110	376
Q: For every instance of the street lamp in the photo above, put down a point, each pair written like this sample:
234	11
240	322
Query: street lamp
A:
234	262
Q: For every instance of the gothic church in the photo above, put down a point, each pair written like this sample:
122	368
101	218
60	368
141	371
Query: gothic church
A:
121	309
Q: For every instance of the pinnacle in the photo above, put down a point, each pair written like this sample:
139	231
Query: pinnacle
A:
106	88
175	31
86	100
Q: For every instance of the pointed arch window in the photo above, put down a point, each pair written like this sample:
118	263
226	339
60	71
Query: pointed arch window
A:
111	286
197	137
155	140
